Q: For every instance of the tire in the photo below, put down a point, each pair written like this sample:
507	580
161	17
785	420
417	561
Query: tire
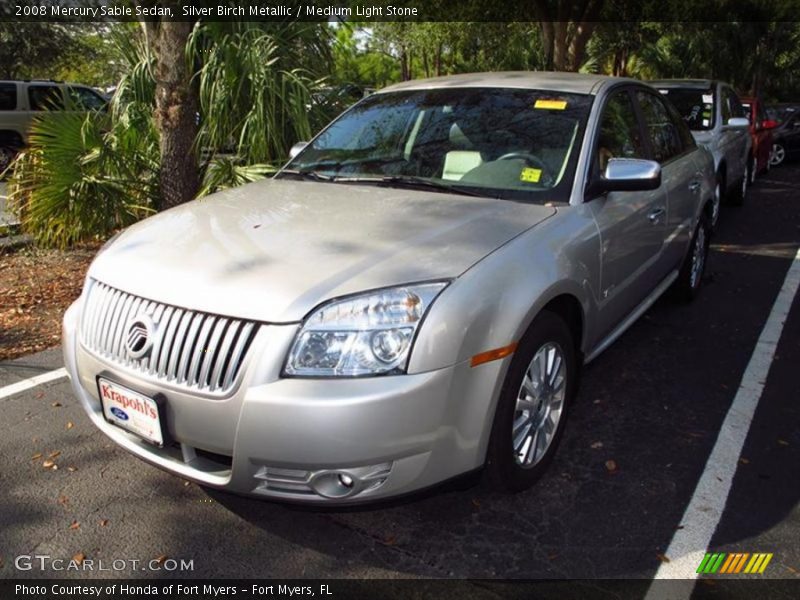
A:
514	467
7	155
716	201
778	155
738	195
690	278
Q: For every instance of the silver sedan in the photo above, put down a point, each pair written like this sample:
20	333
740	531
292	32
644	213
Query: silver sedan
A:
411	298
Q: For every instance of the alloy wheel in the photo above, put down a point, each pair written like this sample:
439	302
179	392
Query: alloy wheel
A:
778	155
539	406
698	257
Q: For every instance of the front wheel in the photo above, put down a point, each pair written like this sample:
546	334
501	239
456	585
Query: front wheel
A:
533	405
739	194
690	277
716	201
778	155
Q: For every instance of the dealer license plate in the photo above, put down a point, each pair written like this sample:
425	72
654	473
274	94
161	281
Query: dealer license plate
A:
131	410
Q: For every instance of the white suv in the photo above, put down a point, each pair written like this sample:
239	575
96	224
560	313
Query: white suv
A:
21	101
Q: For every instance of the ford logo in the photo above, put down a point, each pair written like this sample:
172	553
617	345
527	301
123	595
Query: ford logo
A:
119	413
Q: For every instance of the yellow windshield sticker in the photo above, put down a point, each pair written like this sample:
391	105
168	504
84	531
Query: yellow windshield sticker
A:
529	174
551	104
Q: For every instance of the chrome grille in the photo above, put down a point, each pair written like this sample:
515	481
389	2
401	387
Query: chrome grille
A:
191	349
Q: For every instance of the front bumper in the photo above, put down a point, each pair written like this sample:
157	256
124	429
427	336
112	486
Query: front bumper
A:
304	440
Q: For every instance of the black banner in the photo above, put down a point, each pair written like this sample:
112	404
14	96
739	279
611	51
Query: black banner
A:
406	589
366	11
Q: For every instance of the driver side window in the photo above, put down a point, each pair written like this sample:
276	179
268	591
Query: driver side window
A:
620	136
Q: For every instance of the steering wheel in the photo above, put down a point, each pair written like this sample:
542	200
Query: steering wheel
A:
532	160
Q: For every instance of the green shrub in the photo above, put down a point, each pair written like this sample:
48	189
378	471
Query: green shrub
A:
80	178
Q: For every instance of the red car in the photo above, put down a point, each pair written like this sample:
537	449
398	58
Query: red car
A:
761	131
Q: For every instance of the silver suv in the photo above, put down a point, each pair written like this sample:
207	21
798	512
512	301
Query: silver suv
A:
21	101
719	122
409	299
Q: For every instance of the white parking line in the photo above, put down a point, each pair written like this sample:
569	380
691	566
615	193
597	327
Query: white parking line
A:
26	384
689	544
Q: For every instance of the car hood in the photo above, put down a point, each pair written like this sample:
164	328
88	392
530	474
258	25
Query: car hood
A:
273	250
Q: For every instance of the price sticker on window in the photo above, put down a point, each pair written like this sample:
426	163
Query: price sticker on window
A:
530	175
551	104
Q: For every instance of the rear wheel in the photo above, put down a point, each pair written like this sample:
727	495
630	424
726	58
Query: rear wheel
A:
533	405
7	155
778	155
690	278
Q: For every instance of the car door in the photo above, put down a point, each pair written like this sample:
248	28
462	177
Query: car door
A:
733	141
631	225
681	180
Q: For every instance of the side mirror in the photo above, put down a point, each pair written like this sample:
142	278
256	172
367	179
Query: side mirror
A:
629	175
738	123
297	148
769	124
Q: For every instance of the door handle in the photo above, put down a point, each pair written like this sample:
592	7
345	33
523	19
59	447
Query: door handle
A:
655	216
694	187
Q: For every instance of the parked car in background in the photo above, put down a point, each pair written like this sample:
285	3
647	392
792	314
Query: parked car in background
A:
761	134
409	299
786	139
716	117
782	111
21	101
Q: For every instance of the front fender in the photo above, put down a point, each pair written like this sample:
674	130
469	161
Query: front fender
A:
493	303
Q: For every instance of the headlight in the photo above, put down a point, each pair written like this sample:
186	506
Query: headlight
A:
369	334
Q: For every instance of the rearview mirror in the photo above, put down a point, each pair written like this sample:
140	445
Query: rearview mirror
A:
297	148
738	123
629	175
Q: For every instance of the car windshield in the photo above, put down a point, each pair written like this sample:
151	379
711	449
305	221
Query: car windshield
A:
503	143
696	106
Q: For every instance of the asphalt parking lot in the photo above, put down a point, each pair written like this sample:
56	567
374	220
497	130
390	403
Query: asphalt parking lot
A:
639	437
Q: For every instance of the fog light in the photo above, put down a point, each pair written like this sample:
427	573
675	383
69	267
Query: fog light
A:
335	484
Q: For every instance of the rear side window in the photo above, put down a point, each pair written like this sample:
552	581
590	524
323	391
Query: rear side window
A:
45	97
664	135
8	96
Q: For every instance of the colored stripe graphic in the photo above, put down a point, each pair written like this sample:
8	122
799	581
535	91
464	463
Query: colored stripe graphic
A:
741	562
711	562
723	563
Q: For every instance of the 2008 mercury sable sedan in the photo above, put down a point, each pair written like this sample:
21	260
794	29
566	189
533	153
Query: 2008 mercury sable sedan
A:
411	298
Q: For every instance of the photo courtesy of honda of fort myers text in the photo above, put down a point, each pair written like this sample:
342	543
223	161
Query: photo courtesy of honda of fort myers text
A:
171	590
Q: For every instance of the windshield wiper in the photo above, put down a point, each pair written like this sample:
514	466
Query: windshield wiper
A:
310	175
409	181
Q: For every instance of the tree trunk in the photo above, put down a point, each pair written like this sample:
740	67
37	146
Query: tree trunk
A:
175	114
405	64
560	46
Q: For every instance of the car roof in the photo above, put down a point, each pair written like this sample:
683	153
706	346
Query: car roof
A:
578	83
683	83
45	81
